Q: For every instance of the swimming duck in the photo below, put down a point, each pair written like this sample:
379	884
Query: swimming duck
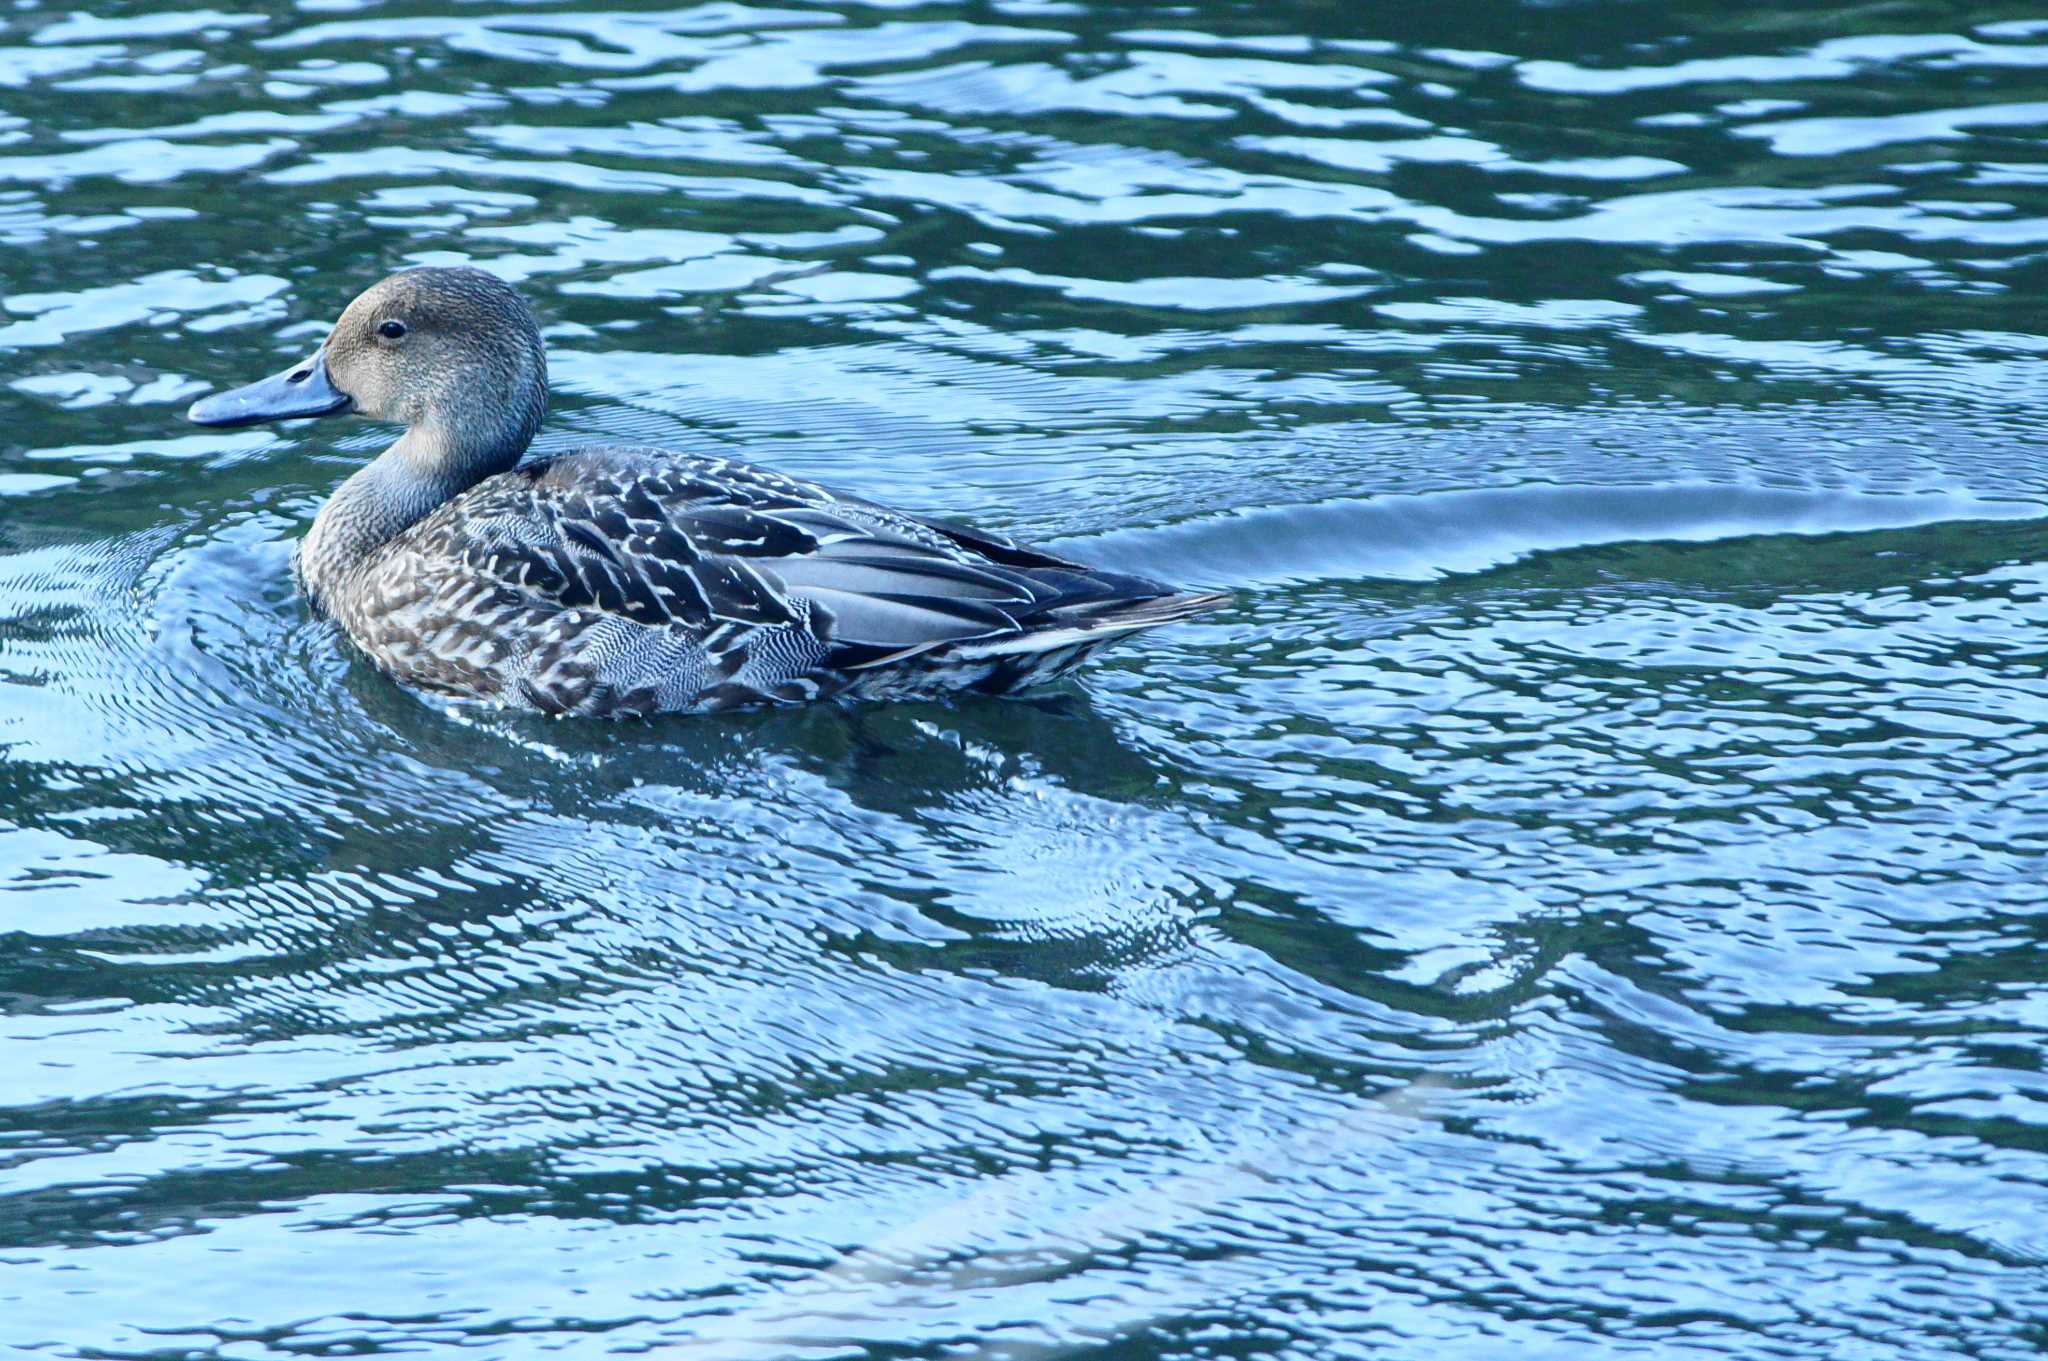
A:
616	581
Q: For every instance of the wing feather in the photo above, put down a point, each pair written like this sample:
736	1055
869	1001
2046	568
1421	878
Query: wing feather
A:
898	574
659	537
896	621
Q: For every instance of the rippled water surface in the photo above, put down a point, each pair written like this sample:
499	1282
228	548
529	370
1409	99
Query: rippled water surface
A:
1586	899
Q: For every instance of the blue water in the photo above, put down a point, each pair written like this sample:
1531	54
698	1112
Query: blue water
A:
1586	899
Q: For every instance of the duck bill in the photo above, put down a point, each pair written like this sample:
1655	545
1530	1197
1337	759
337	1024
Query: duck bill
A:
304	389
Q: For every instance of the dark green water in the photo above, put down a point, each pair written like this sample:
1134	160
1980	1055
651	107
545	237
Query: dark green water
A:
1586	900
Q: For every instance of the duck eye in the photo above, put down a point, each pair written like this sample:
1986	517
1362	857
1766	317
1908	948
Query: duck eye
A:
391	330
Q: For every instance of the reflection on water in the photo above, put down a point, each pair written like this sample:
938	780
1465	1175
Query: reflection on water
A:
1584	901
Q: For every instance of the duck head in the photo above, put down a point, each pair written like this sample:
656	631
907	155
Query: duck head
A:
452	354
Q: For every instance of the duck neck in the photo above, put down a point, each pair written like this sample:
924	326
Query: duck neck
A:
420	472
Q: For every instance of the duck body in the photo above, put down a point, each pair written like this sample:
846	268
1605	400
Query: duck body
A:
622	582
617	581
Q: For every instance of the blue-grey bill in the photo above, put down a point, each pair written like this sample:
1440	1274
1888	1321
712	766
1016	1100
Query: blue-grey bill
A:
301	390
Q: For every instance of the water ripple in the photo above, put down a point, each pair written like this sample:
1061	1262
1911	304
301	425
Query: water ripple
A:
1582	900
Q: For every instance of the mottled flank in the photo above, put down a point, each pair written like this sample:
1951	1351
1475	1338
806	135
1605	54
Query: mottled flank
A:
621	582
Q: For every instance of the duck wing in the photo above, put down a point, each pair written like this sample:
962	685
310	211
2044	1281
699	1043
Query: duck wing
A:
726	548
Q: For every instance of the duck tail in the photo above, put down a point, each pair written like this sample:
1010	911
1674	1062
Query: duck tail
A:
1128	615
1100	622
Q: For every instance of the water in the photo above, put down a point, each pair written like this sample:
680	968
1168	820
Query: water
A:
1585	900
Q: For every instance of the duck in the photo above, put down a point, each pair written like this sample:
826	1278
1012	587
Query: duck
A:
624	581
